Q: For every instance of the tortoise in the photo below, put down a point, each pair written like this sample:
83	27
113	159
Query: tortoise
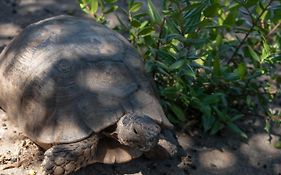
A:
79	90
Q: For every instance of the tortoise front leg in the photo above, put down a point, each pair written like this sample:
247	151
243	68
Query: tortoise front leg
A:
66	158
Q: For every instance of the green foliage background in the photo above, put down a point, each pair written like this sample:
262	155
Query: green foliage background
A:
213	61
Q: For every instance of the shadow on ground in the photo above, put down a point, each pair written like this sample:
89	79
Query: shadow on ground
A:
224	154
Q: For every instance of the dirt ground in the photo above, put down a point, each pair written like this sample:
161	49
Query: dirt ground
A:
224	154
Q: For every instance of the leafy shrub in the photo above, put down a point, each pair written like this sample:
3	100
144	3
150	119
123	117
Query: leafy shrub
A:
212	60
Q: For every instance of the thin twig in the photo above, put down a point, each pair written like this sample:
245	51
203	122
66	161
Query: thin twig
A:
271	32
249	32
160	36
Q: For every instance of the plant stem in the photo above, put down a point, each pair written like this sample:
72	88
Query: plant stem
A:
254	23
160	36
271	32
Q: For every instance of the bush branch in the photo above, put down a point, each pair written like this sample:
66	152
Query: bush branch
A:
254	23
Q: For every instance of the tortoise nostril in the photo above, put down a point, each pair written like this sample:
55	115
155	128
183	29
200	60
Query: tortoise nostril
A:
135	131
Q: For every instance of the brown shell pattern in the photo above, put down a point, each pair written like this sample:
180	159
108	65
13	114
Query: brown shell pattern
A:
64	78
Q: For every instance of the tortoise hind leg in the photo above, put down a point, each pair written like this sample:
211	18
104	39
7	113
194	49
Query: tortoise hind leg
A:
66	158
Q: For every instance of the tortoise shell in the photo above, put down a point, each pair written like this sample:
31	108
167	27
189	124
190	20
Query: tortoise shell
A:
65	77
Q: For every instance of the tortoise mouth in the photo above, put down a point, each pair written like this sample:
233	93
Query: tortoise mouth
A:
110	132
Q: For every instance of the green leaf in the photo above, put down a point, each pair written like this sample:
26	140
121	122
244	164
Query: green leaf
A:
237	130
178	112
135	7
236	117
216	67
232	76
190	72
166	56
111	1
278	144
83	5
169	91
205	109
143	24
254	55
275	13
216	127
212	10
250	3
135	23
222	116
265	51
178	64
242	70
162	65
94	6
230	19
276	58
172	26
111	9
208	122
190	24
212	99
267	126
153	12
146	31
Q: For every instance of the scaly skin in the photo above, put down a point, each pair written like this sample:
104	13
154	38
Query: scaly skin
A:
135	131
138	131
66	158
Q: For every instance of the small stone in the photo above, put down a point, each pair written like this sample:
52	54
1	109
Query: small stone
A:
14	159
23	143
58	170
32	172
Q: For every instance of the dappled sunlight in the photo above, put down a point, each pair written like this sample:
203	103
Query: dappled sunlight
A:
31	6
261	143
216	159
92	66
186	141
7	32
106	81
12	30
266	151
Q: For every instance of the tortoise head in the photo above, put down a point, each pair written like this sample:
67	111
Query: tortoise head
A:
138	131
